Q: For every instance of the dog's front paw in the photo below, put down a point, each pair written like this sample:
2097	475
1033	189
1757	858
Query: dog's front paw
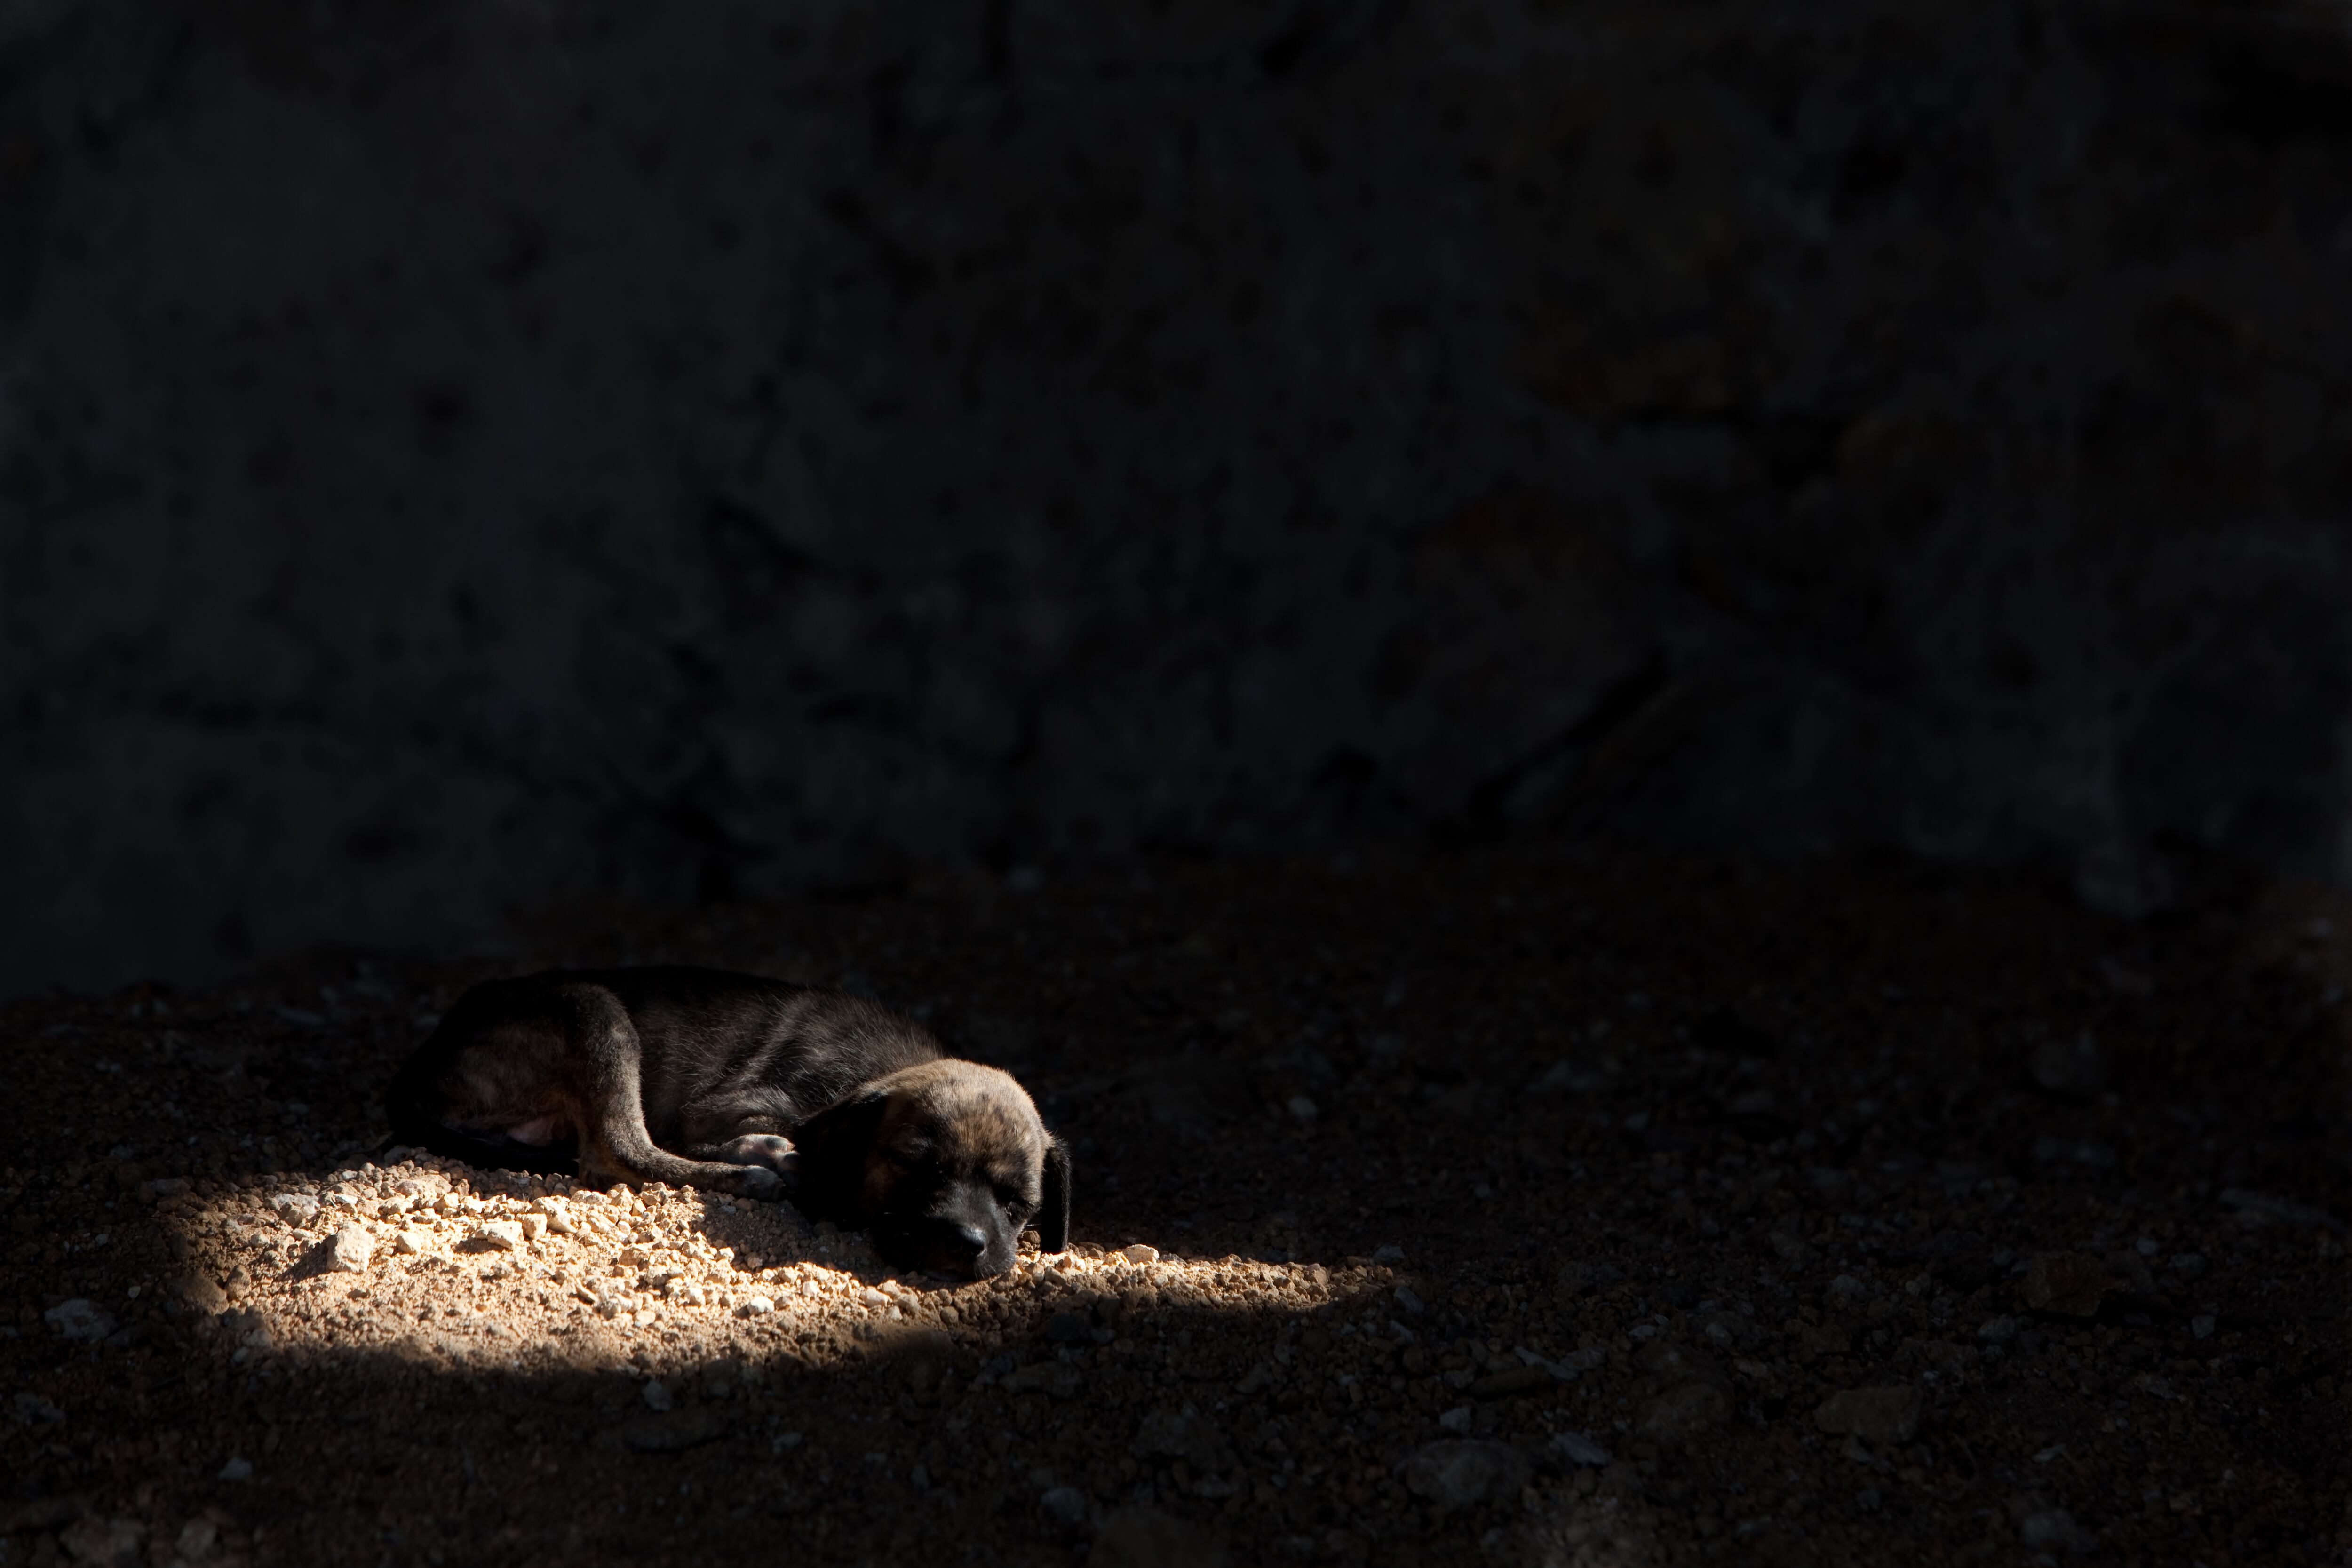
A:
761	1149
759	1181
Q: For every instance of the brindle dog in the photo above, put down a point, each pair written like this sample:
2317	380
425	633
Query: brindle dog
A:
743	1085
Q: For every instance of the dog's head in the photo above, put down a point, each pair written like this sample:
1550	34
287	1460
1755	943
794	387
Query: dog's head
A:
946	1163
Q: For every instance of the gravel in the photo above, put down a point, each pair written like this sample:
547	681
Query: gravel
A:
1457	1474
1147	1538
1773	1273
1882	1416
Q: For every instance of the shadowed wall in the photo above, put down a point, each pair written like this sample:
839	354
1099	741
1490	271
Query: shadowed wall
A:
461	460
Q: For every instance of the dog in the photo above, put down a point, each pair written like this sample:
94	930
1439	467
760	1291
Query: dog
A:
740	1084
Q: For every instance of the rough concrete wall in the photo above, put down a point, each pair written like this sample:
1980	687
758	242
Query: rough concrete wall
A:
457	460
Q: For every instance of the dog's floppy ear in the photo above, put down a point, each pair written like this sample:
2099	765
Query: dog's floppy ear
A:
833	1146
1052	1219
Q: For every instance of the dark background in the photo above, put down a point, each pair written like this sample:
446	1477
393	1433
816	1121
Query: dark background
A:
466	465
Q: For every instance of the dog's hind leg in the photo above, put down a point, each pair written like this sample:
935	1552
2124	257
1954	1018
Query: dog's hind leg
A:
614	1142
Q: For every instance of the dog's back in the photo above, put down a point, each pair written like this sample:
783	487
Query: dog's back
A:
708	1038
711	1035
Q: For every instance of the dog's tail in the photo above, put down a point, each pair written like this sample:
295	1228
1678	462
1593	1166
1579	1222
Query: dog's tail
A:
409	1104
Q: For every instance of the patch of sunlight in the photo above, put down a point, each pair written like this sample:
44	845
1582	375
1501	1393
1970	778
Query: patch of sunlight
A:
439	1264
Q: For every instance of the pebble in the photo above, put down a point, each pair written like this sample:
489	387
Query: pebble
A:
201	1291
657	1393
671	1432
80	1319
501	1234
1457	1419
2043	1527
103	1542
1136	1252
1514	1380
755	1307
2067	1284
1883	1416
1684	1412
1058	1378
1457	1474
2070	1067
1173	1434
2268	1207
236	1470
348	1251
1147	1538
412	1243
1580	1449
1066	1505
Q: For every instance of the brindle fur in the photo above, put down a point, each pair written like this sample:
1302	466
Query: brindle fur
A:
740	1084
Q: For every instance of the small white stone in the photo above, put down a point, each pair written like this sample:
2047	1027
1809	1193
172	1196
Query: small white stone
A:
1136	1252
412	1243
506	1234
92	1538
349	1250
755	1307
1580	1448
79	1318
534	1225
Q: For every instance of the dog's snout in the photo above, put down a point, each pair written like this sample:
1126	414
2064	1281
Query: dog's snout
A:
967	1238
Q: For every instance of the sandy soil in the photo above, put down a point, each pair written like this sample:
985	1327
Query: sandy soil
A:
1483	1206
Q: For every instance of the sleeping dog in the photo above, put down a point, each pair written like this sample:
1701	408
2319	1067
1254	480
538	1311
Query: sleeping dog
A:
743	1085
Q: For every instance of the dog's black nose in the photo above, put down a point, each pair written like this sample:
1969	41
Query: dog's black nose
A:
967	1239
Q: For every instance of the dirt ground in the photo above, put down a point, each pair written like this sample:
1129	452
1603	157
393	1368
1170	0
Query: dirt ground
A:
1492	1204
